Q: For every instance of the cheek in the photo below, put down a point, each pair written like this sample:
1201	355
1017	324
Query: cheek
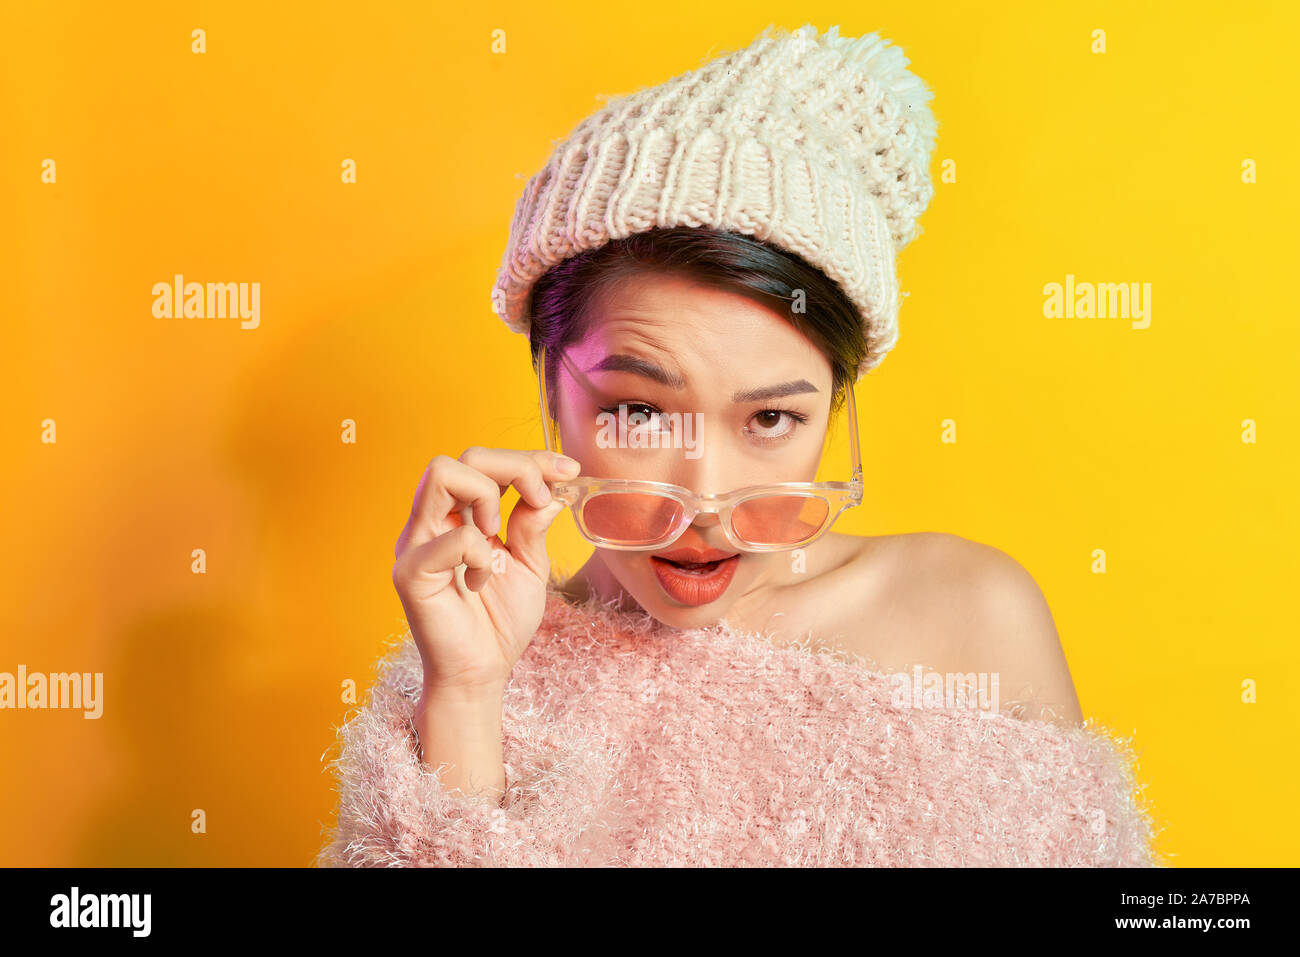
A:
811	450
607	462
629	563
576	441
631	570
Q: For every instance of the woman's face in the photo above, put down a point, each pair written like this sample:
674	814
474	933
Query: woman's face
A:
753	401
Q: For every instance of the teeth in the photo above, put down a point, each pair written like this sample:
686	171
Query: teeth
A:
696	565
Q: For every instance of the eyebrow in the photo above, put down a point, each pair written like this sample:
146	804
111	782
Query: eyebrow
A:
774	391
617	362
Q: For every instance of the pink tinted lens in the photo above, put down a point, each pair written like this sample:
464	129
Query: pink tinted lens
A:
779	519
630	518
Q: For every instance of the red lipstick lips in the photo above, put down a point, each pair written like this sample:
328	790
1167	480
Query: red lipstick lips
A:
695	576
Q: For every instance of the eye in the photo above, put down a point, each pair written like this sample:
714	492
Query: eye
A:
646	413
776	425
640	415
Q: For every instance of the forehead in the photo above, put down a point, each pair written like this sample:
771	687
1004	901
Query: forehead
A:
697	330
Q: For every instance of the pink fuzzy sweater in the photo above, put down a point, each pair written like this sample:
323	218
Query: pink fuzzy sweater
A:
630	743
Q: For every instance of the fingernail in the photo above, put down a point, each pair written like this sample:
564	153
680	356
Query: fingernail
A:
567	465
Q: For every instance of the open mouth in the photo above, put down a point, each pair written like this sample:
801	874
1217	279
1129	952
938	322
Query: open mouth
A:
693	568
693	577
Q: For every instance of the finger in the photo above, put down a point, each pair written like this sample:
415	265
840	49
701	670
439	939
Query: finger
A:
450	493
423	571
528	470
526	536
477	576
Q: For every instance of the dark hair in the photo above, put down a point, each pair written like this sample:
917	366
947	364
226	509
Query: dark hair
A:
560	301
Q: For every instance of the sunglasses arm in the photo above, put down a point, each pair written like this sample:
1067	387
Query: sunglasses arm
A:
855	477
550	433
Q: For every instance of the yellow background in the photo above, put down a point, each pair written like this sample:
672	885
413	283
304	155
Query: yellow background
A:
222	690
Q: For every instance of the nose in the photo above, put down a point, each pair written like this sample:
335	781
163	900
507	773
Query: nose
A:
712	466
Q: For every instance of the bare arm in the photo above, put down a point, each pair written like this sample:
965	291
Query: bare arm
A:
464	733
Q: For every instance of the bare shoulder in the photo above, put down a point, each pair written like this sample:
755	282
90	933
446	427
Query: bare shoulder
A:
954	604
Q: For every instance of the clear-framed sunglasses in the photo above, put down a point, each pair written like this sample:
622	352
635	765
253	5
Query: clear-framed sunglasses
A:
635	515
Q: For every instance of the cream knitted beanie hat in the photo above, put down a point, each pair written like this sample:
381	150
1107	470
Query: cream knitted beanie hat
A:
819	144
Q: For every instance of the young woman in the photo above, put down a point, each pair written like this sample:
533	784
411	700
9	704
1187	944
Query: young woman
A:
717	667
625	329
